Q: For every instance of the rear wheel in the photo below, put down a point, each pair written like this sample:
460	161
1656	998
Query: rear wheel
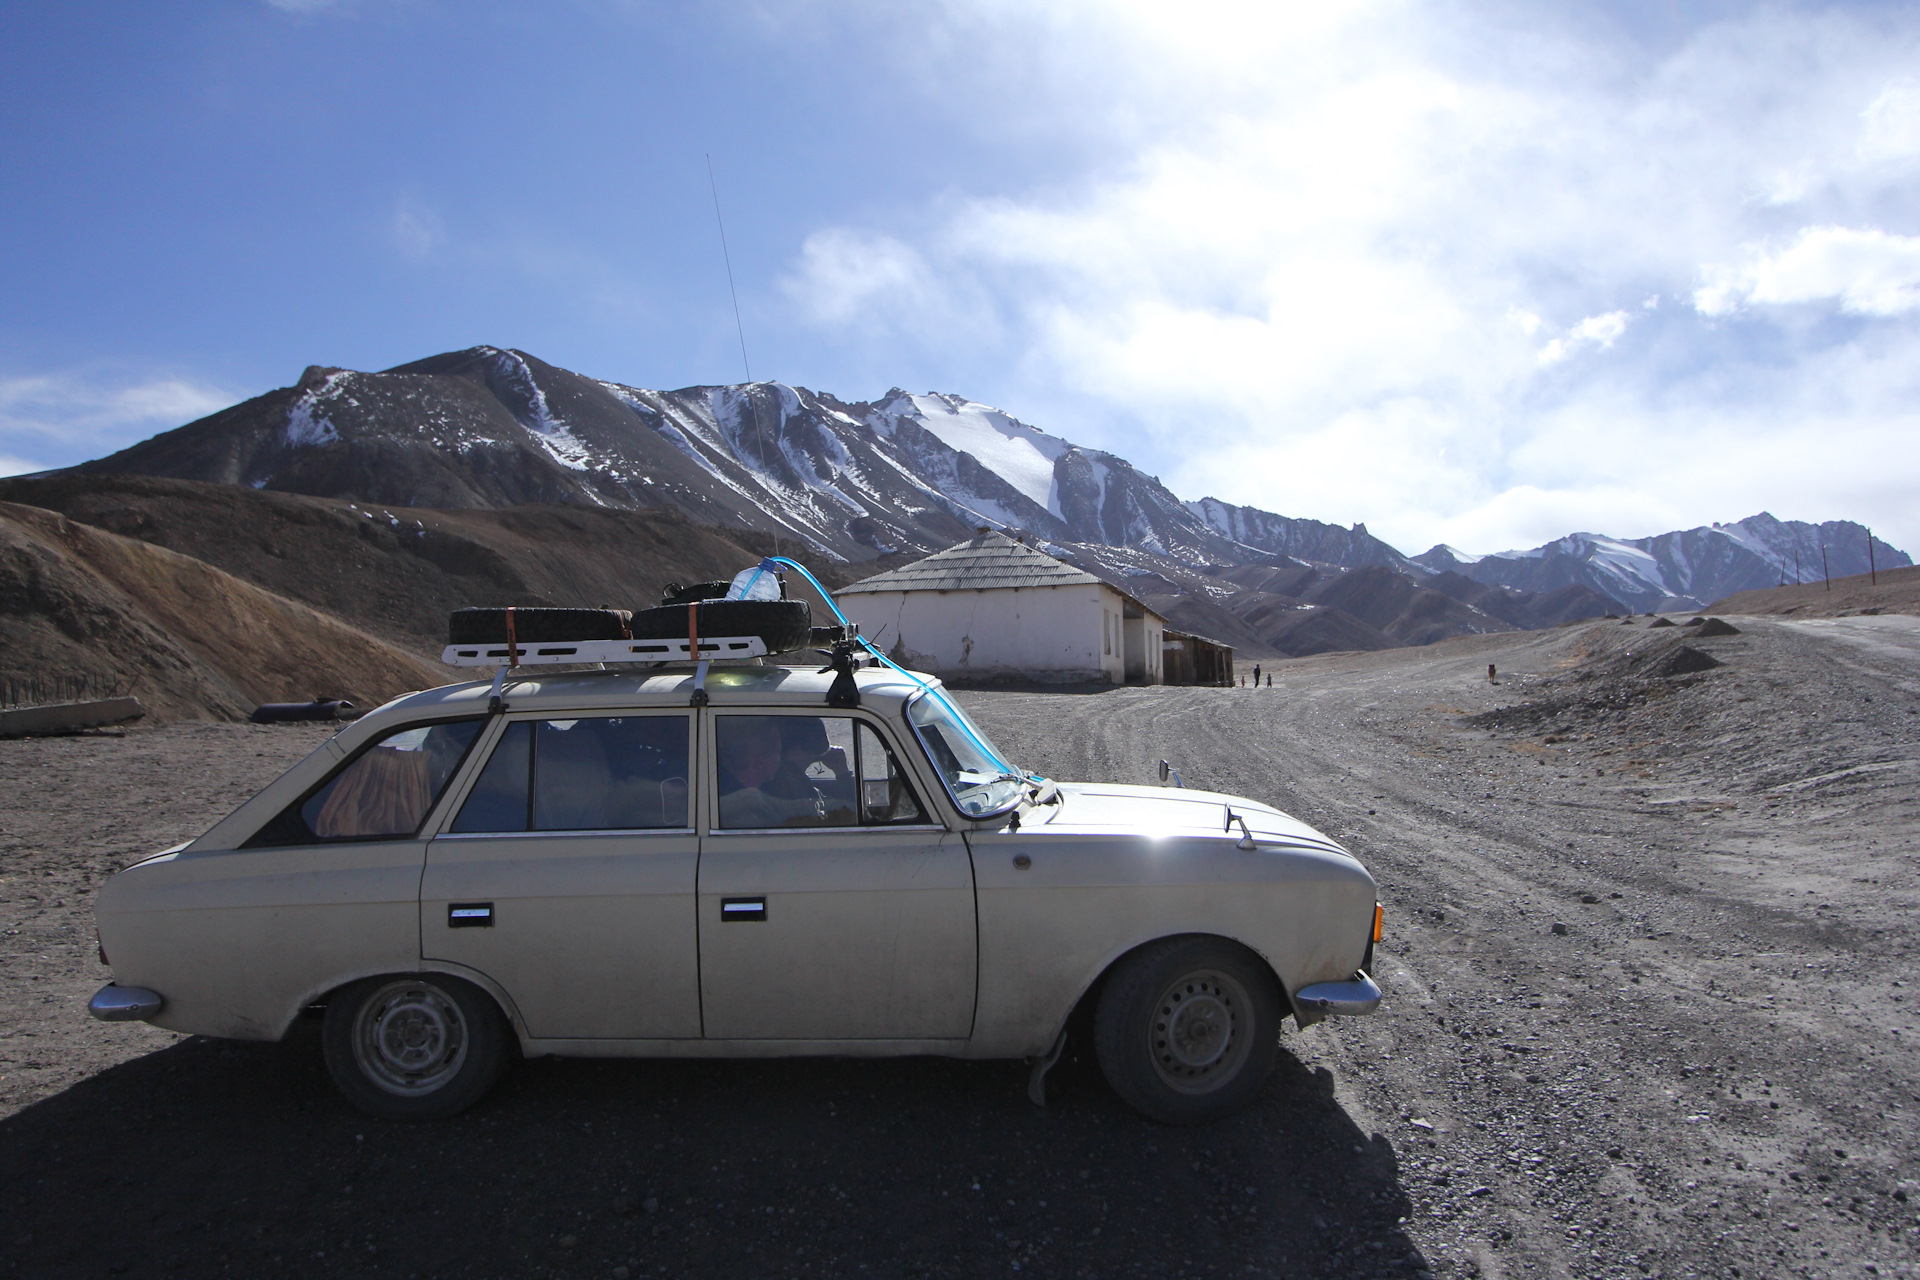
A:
416	1047
1187	1029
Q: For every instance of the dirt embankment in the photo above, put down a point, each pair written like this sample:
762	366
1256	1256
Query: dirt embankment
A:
399	571
190	641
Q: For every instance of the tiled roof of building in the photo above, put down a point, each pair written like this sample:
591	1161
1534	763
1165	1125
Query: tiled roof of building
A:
982	562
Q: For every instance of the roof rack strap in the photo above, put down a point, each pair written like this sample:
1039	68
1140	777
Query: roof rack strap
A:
699	698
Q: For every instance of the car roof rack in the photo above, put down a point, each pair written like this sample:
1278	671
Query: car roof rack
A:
555	653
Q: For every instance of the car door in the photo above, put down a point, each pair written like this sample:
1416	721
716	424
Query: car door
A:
831	906
567	876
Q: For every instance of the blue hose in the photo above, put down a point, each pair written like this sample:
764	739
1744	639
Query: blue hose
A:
958	715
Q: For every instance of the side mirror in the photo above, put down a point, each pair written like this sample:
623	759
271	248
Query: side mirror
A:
1168	771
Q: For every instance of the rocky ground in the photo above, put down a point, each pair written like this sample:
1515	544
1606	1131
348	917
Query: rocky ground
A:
1650	976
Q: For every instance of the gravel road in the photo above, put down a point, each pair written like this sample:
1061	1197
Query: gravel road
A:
1650	1013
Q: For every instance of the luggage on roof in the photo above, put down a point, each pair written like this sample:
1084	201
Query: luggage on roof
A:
537	626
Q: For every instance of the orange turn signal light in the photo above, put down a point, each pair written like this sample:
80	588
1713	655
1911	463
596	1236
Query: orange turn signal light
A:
1379	921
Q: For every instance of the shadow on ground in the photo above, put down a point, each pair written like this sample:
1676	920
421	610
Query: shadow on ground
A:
212	1158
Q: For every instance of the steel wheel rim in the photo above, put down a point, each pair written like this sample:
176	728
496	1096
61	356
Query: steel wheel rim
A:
1198	1034
410	1038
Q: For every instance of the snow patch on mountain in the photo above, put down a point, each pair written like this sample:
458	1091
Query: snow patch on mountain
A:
307	423
1021	455
532	411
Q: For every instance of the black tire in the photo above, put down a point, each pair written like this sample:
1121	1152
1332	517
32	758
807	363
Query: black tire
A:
784	625
536	626
1187	1029
414	1046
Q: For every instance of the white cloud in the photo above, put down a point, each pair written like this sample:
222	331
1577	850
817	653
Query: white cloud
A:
71	416
1869	272
1892	124
12	466
1321	240
1595	331
843	275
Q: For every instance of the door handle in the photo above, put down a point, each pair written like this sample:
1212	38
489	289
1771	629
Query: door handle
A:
732	909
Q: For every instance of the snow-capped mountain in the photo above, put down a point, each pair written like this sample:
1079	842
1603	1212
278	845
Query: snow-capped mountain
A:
488	427
1684	569
908	474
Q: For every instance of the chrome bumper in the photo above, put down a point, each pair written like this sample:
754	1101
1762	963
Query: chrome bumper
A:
124	1004
1358	995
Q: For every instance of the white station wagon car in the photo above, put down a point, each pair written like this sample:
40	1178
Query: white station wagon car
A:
608	864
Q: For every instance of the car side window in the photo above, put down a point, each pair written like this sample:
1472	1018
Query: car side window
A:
384	793
807	771
785	771
885	794
594	773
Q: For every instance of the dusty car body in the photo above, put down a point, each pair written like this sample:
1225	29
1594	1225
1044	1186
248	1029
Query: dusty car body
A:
467	850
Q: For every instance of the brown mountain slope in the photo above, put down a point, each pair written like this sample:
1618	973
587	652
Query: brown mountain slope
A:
1898	591
398	572
190	641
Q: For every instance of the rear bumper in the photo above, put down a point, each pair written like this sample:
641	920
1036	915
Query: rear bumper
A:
124	1004
1358	995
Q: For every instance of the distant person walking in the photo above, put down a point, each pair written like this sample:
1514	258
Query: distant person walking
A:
1269	679
1256	675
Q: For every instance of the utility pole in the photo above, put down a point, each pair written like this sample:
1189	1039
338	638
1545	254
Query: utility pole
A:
1796	566
1873	574
1824	571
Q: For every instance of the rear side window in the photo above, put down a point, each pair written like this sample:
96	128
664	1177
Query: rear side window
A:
384	793
602	773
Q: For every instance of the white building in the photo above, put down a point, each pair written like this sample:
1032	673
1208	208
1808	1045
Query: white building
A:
992	608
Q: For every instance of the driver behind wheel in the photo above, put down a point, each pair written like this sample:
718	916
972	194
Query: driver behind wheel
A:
750	751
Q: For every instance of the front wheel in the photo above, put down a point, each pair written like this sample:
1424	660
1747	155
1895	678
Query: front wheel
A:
416	1047
1187	1029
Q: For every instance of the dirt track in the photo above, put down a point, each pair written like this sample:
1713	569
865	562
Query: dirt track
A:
1707	1073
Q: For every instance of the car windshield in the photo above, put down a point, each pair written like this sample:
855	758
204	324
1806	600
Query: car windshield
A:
968	763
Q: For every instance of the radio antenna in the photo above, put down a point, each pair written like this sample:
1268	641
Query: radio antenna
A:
728	259
734	293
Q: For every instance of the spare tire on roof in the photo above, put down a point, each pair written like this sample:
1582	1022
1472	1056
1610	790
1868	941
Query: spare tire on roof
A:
537	626
677	594
783	625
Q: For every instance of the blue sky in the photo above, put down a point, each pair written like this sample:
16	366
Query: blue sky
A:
1476	273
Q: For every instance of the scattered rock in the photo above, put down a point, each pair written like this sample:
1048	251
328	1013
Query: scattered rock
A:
1559	927
568	1242
1478	1192
1589	898
621	1273
1717	627
650	1204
